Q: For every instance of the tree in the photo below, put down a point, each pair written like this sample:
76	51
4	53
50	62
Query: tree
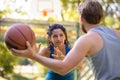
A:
7	61
111	8
69	12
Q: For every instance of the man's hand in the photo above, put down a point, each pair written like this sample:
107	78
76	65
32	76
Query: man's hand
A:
28	53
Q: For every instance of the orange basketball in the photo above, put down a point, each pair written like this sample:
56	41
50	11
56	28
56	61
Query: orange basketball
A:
17	35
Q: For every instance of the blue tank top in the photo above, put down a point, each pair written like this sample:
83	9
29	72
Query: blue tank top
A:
54	76
106	62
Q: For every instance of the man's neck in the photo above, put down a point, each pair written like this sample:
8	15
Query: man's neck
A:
90	26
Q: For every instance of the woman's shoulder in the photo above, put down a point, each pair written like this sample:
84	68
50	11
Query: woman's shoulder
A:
45	51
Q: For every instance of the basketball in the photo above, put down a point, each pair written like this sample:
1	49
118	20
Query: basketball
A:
17	35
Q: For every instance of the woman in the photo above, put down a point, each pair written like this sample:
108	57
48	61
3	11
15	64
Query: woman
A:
57	38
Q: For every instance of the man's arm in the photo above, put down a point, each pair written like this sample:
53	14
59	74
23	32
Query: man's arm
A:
76	54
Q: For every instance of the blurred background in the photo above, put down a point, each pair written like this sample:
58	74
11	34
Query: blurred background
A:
39	14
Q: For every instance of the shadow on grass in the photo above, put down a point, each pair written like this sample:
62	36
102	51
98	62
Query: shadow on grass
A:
19	77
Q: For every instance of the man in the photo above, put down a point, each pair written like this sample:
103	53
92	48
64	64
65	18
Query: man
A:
99	43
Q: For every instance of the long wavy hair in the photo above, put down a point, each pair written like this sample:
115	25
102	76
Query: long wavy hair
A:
49	33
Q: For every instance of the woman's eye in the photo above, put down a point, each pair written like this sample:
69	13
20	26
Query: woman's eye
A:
55	36
61	35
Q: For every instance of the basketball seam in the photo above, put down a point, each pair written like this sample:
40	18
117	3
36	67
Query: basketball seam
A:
21	33
32	34
29	29
10	45
14	41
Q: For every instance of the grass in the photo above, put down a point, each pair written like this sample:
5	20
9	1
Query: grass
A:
26	77
18	77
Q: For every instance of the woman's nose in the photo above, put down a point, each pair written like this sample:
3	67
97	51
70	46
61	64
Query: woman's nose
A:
59	38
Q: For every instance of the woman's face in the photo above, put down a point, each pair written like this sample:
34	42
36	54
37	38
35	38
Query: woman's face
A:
58	37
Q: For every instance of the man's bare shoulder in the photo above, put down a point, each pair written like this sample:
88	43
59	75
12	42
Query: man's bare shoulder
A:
91	41
90	36
96	42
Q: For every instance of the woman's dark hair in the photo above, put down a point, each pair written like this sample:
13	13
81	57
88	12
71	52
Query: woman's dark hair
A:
56	26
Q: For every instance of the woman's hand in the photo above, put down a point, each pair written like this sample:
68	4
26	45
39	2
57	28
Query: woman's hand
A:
58	54
28	53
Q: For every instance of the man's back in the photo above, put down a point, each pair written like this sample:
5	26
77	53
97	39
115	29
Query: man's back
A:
105	59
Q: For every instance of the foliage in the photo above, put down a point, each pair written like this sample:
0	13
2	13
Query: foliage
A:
43	70
72	3
64	4
24	61
18	77
69	12
109	21
4	12
71	15
111	8
7	61
117	24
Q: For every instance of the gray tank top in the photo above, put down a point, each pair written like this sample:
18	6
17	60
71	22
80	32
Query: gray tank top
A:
106	62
